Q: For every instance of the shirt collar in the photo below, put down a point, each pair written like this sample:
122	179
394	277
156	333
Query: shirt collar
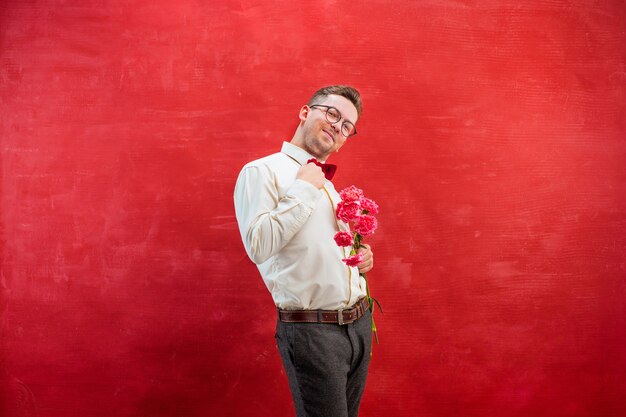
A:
296	153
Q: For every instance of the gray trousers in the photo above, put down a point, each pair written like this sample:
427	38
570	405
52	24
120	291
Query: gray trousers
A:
326	365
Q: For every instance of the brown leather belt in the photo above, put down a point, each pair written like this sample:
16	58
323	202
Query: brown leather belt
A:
341	316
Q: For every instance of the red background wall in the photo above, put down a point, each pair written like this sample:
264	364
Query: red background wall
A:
493	137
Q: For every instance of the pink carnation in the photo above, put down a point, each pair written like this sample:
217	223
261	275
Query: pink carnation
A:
366	225
348	211
369	205
354	260
343	238
351	194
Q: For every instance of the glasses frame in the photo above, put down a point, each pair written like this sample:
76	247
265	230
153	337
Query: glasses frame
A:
326	109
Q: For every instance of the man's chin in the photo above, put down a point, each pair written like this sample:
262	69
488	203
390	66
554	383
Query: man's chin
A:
320	150
324	153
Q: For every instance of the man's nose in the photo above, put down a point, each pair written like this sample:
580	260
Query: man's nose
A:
336	126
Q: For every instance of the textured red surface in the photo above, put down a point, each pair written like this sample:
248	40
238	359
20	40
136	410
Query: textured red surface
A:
493	136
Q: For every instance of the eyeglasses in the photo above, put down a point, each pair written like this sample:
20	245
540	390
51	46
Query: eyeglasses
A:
333	116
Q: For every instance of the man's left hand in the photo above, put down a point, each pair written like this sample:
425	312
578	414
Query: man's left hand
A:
368	259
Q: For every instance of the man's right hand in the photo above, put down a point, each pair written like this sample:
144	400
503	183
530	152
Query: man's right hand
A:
313	174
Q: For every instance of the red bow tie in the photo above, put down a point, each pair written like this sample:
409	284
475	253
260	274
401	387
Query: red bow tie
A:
328	169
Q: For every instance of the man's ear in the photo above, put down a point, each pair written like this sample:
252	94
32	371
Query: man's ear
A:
304	112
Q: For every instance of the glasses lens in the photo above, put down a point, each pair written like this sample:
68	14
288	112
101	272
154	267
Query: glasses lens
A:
333	115
347	129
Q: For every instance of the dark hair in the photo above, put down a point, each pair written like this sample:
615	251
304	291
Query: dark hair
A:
340	90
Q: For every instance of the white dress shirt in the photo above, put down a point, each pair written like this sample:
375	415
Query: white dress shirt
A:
287	226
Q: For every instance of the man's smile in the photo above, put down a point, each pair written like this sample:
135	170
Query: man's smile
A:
330	136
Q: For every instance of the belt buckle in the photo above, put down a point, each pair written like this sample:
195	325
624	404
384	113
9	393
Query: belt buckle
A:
340	317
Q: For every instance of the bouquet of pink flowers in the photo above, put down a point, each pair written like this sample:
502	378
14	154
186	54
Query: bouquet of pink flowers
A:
357	210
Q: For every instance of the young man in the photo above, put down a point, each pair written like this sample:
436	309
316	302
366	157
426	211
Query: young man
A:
285	208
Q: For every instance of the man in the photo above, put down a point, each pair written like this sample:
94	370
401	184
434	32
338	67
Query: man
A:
285	209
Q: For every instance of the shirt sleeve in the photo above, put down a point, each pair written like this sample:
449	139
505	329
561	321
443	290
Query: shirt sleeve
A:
267	222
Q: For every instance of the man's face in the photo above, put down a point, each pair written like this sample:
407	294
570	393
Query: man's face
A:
321	138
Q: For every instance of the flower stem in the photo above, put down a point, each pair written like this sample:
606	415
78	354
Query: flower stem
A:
371	302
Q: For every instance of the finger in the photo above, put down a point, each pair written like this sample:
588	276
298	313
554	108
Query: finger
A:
368	257
366	263
364	251
365	248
